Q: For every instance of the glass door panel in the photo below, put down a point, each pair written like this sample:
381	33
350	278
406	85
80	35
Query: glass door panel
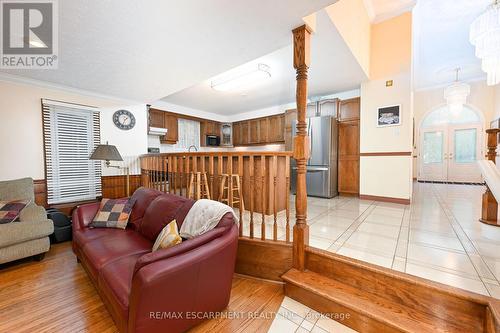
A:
465	150
433	164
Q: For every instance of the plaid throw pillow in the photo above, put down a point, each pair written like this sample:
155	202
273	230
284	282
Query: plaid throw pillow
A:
10	210
113	213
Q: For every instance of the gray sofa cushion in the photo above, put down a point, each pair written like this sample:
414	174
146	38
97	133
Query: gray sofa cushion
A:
18	232
17	189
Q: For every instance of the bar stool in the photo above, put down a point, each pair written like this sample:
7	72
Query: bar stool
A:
199	181
226	193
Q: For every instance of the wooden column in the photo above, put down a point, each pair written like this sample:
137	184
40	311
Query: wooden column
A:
301	50
489	211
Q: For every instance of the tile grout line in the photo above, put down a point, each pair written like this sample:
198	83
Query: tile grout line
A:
443	206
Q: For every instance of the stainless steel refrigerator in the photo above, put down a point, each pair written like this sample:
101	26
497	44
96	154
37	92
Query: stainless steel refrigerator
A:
322	166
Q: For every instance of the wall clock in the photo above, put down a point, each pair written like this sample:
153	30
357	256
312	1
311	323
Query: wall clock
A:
124	120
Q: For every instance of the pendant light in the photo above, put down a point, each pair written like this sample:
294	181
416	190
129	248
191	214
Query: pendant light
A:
485	36
456	95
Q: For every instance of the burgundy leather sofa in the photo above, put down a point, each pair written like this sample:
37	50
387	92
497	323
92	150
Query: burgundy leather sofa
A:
169	290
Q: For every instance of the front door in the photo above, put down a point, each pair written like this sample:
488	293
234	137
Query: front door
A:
450	153
433	156
464	151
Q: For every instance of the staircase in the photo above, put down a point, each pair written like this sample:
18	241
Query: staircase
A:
369	298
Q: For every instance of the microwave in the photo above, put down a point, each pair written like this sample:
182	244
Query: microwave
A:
213	140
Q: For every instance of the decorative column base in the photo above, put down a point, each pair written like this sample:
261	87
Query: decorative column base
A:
489	214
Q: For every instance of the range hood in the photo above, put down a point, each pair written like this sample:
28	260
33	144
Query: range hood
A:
158	131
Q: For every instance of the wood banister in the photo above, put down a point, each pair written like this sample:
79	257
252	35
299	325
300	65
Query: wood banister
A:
489	208
301	60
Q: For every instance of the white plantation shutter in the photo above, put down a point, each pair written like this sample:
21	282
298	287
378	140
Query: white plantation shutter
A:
71	132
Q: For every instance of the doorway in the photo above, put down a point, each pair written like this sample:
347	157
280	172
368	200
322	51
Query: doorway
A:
450	146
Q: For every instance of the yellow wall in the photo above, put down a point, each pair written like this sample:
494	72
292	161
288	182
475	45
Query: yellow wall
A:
352	21
21	136
388	176
391	50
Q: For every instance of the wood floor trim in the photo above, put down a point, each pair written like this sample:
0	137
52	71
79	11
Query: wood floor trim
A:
389	153
385	199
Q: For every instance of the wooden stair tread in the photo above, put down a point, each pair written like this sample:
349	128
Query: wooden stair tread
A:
371	305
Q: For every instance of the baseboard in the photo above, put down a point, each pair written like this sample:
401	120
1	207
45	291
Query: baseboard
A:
385	199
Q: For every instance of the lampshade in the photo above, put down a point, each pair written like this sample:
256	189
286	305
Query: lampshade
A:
106	153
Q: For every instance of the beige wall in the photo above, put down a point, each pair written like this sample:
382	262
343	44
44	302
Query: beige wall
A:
351	20
391	47
388	176
21	138
481	99
497	102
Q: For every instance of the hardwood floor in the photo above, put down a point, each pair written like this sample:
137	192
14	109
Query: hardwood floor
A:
55	295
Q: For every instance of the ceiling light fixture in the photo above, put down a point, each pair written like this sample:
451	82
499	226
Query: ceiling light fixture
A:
485	36
456	95
243	80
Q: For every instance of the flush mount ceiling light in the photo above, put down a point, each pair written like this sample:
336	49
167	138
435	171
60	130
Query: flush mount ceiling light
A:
456	95
485	36
243	80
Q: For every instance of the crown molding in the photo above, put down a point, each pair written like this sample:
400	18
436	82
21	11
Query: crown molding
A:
10	78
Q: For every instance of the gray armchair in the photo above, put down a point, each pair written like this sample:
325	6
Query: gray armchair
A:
29	236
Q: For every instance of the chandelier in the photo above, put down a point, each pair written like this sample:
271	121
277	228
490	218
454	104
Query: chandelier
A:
456	95
485	36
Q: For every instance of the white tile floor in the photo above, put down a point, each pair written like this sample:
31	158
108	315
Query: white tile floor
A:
437	237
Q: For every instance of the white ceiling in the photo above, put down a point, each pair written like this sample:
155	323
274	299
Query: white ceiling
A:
333	69
145	50
380	10
441	41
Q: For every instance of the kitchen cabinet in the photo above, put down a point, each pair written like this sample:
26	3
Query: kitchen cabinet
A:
348	160
349	109
244	132
253	128
208	127
236	134
276	129
156	118
170	122
264	130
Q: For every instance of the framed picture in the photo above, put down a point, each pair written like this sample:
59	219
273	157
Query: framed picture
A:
389	116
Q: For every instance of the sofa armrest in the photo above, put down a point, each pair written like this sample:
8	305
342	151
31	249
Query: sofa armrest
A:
84	214
184	285
185	246
33	213
19	232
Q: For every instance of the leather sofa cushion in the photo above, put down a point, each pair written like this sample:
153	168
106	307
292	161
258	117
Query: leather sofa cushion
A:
161	211
86	235
101	251
141	198
115	282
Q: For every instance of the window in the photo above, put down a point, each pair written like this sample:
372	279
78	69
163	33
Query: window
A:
189	134
443	116
71	132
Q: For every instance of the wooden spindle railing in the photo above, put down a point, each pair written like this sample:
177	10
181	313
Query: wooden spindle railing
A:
264	179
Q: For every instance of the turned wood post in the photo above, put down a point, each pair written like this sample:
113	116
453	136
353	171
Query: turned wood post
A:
301	50
489	211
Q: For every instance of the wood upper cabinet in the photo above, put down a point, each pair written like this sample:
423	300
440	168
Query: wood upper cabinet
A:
237	134
244	132
171	123
253	128
208	127
259	131
263	130
156	118
276	130
349	109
